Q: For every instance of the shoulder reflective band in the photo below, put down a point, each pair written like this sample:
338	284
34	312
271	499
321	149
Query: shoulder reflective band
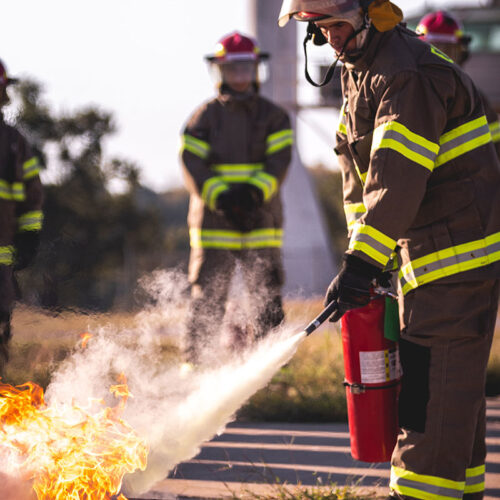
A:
474	479
415	485
267	183
279	140
394	135
237	172
372	242
353	211
196	146
31	168
450	261
342	119
7	255
463	139
236	240
494	131
12	192
30	221
211	189
441	54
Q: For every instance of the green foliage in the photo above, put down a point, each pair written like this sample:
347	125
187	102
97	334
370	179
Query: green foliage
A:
328	185
95	243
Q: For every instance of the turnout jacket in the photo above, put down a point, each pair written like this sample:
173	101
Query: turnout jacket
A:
229	140
20	190
421	174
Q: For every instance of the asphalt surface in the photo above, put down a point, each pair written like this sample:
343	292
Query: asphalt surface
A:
253	457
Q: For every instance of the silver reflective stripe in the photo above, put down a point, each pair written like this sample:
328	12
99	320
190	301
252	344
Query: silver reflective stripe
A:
462	139
372	242
430	489
411	145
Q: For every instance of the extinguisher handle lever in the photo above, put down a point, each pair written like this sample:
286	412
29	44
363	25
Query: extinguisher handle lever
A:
321	318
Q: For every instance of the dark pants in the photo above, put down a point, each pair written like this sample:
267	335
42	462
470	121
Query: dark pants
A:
445	344
211	272
7	297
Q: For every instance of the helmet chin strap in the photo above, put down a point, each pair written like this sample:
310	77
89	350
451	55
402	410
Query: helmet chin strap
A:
312	32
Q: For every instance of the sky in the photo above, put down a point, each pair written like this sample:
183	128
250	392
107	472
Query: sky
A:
141	60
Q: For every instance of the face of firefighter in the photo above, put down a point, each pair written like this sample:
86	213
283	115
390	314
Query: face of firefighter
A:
337	32
239	75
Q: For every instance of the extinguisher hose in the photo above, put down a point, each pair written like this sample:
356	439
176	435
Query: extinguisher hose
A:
321	318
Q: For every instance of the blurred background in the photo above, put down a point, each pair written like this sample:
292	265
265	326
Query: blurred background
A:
106	88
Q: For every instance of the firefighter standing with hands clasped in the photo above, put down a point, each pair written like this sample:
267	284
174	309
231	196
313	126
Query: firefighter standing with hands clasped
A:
422	187
20	213
235	155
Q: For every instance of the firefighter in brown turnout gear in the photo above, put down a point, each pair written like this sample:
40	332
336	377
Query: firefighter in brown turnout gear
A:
20	213
235	155
422	188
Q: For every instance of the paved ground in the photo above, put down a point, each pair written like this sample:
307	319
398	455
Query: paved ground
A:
252	457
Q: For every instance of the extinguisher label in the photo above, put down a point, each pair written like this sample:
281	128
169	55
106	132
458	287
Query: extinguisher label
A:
379	366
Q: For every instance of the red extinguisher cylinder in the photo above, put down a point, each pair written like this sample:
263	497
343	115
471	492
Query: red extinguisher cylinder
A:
372	375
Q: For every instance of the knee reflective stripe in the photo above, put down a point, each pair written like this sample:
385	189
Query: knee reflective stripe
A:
31	168
463	139
353	211
236	240
12	192
450	261
474	479
196	146
425	487
396	136
30	221
372	242
267	183
237	172
278	141
211	189
7	255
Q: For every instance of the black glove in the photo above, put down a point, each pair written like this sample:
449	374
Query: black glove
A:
26	244
250	197
239	204
351	287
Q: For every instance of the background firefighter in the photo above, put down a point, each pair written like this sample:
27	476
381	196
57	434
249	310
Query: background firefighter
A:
20	213
235	154
422	185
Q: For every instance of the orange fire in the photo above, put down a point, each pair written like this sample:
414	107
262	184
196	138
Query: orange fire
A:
68	453
86	336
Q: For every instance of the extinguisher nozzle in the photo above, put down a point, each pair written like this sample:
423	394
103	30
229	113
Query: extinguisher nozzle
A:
321	318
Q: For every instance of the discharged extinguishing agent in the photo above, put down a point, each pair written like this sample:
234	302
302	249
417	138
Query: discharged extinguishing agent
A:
372	376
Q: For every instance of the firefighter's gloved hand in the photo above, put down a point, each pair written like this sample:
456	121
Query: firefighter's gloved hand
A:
227	200
26	244
351	287
251	197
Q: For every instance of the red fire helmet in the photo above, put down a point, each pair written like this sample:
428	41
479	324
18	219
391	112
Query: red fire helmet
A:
441	27
236	47
4	79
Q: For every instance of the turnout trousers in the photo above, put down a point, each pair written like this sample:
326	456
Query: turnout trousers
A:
210	275
446	338
7	297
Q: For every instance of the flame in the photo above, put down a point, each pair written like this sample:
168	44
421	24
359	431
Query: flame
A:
67	452
86	336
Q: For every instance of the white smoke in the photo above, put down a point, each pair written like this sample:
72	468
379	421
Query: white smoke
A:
174	411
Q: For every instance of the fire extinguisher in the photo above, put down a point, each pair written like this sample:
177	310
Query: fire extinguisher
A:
372	376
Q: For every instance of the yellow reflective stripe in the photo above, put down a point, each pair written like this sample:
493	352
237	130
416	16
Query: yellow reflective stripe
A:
474	479
196	146
236	240
237	172
372	242
441	54
31	221
463	139
12	192
425	487
6	255
395	136
353	211
267	183
211	189
342	121
495	131
279	140
450	261
31	168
